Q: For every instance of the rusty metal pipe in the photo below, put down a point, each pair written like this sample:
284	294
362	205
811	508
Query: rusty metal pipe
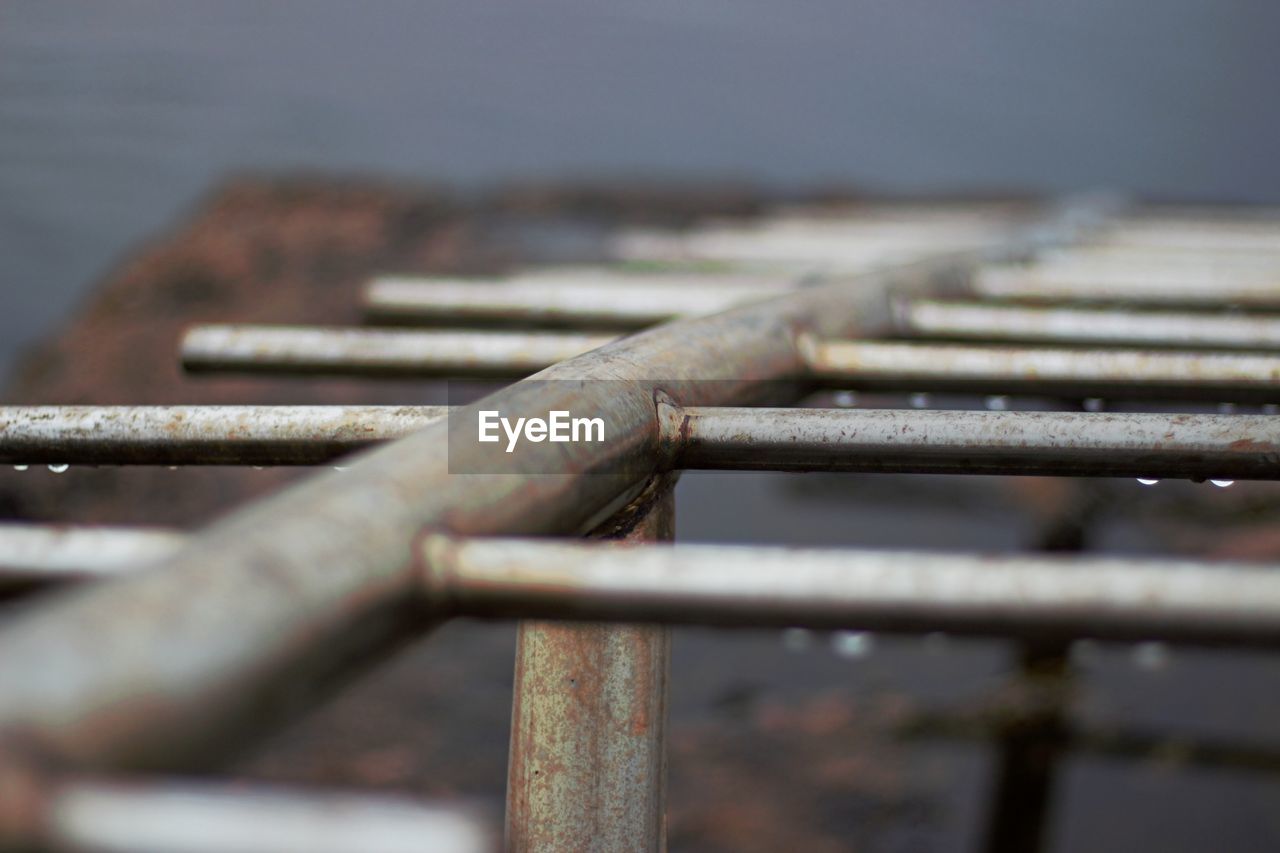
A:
200	435
913	592
1130	374
1237	447
984	321
589	717
302	350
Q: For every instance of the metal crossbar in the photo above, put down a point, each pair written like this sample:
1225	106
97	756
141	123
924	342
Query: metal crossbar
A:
1101	598
231	630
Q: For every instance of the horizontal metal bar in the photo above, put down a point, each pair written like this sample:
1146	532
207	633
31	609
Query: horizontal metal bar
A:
837	247
1106	598
846	242
38	554
1170	285
190	816
808	439
1234	447
378	352
1132	374
614	305
1119	256
1021	595
1193	235
985	321
200	435
623	275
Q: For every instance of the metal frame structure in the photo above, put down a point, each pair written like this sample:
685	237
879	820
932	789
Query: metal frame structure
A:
224	634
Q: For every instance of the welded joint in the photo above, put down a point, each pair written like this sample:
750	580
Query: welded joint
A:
673	430
439	568
435	567
809	349
900	314
628	525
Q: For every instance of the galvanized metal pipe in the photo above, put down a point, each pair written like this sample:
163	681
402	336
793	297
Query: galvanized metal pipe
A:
1236	447
989	322
612	305
378	352
989	595
1133	374
200	435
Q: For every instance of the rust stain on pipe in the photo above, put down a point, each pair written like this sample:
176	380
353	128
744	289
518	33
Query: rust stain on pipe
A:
588	760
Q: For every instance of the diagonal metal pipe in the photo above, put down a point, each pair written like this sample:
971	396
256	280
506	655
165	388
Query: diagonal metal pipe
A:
265	611
262	612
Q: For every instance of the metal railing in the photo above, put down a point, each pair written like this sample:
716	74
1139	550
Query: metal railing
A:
176	646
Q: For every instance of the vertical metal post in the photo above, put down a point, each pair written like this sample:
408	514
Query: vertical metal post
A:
588	726
1030	749
1029	753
